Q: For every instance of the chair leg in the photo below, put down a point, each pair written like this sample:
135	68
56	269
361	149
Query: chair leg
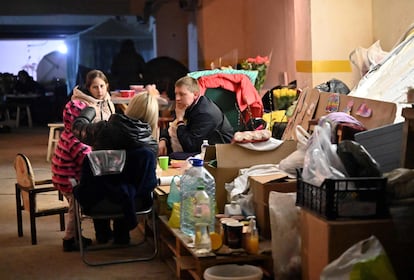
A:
17	116
33	228
83	251
19	212
62	221
32	219
50	144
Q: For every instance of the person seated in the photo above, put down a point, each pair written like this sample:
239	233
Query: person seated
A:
137	128
197	118
25	84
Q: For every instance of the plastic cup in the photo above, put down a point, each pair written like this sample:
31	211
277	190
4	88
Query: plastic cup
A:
163	162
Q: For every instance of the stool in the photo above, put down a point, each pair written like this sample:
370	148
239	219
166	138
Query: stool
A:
54	135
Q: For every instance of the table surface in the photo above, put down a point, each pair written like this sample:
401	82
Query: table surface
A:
125	100
196	263
120	100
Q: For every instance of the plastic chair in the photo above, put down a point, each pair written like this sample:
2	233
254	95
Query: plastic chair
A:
30	196
140	161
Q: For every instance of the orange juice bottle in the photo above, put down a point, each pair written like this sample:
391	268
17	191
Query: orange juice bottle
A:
252	242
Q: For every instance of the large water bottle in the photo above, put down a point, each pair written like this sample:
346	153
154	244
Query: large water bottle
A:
192	178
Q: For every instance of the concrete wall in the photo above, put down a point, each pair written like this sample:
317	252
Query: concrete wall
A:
390	20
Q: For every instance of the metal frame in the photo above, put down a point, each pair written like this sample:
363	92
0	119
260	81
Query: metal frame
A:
149	212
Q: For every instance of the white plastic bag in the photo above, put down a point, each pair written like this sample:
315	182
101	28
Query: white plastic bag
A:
295	160
286	241
364	260
321	160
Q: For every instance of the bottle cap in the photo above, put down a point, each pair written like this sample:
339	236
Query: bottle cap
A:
201	187
196	162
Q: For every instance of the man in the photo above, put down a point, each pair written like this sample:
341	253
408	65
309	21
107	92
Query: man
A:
196	118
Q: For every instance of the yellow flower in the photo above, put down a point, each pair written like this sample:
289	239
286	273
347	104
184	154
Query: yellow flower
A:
276	93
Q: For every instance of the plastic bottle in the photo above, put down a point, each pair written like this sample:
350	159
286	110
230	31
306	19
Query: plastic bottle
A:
193	177
201	206
202	220
252	236
203	149
202	239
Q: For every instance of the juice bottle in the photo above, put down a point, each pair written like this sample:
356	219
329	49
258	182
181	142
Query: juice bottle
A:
252	237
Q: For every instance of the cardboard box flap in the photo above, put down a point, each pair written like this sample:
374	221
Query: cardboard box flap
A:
235	156
263	179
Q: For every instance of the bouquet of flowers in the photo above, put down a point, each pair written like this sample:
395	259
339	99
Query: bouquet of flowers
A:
284	97
259	64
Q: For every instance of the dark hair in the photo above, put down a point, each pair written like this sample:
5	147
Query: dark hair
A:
95	74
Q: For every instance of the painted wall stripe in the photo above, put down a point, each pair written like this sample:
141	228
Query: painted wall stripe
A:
315	66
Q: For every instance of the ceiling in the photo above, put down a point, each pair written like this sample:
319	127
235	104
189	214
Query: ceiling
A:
40	27
28	19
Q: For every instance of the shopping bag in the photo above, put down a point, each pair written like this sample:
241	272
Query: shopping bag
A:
174	221
321	160
364	260
286	241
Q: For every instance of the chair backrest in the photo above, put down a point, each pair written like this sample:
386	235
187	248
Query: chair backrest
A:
138	178
24	176
226	101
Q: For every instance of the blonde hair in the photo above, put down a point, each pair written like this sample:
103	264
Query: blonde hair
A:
144	107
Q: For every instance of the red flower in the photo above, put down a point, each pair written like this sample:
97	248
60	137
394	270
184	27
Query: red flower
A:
259	60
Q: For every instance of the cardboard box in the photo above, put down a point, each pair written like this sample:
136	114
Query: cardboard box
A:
230	158
324	241
261	186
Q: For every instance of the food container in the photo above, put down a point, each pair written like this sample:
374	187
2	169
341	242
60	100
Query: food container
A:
127	93
233	272
137	88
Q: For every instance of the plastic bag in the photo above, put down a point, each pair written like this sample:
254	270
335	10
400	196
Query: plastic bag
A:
364	260
321	160
400	183
174	195
104	162
357	161
286	241
295	160
174	221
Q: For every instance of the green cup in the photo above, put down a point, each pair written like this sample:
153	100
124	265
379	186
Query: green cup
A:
163	162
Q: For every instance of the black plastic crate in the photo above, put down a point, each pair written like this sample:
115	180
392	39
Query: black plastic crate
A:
349	198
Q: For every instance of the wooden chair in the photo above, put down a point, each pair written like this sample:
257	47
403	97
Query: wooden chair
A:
30	196
54	134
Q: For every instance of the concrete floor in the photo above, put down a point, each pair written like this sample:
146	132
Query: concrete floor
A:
46	260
